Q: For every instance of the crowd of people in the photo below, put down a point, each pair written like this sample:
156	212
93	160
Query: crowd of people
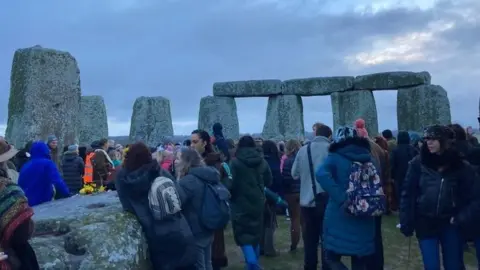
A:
336	186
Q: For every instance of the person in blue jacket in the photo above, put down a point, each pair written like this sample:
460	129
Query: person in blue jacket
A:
345	234
39	177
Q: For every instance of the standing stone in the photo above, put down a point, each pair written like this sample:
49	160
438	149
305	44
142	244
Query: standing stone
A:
151	120
349	106
284	118
254	88
421	106
222	110
391	80
44	97
93	119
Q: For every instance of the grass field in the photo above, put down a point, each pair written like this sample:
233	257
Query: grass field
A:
394	243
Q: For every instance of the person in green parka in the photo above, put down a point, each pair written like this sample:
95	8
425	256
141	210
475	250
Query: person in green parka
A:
251	174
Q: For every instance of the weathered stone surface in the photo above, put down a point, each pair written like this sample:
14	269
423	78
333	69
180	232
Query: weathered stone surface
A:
284	118
222	110
320	86
88	233
349	106
44	96
151	120
421	106
391	80
93	119
255	88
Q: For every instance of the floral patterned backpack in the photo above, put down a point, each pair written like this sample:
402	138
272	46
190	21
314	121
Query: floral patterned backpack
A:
365	196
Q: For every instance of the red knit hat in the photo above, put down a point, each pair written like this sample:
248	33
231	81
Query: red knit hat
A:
360	127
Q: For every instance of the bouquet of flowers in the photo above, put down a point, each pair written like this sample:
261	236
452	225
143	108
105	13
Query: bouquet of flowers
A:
90	188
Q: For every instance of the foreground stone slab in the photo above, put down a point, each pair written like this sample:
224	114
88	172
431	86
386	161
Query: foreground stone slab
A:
255	88
391	80
93	119
352	105
421	106
44	96
320	86
89	233
151	120
284	118
221	110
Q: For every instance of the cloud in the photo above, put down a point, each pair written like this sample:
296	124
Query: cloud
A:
179	48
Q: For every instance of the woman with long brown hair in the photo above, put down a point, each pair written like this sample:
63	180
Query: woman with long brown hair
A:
133	183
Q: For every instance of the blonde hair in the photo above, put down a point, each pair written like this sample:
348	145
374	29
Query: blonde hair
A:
189	158
292	146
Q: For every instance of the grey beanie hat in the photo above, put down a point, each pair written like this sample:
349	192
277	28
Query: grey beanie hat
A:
73	148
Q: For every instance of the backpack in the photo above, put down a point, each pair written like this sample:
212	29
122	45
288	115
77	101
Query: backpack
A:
163	198
215	210
365	196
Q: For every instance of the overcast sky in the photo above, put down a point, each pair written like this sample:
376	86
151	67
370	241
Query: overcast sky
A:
178	49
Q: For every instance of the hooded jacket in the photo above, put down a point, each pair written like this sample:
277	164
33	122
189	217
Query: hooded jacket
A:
191	189
170	241
344	233
73	169
39	177
251	174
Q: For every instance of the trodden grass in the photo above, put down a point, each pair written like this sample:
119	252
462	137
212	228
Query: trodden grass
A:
395	246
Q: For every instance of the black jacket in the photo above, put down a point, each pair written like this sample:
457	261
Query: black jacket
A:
290	185
401	155
170	241
431	196
73	169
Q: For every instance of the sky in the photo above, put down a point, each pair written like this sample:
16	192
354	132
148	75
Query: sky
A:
178	48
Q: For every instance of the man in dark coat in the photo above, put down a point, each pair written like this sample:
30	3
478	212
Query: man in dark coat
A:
220	142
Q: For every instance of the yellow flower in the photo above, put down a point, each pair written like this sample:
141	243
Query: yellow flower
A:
101	189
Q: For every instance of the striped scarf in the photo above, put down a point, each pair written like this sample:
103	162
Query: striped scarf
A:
14	211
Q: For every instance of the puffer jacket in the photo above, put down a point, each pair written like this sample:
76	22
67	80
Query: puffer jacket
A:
73	169
432	196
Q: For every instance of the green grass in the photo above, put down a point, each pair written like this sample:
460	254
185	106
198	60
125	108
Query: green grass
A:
395	247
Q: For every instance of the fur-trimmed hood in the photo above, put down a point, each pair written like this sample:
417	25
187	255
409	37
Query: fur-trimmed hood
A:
450	158
354	149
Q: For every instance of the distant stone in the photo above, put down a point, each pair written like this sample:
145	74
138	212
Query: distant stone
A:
44	96
284	118
352	105
320	86
93	119
256	88
391	80
222	110
88	232
422	106
151	120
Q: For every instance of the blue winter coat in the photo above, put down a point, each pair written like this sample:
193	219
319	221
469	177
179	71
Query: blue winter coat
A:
342	233
39	176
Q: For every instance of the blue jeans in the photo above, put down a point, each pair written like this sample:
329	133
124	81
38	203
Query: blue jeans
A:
450	241
251	256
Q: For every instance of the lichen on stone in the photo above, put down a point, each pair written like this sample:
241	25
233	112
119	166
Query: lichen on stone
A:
151	120
222	110
93	119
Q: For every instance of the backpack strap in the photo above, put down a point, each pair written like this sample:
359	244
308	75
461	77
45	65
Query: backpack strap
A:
312	174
